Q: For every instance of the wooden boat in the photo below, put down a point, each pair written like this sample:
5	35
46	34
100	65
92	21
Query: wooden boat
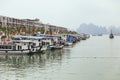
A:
111	36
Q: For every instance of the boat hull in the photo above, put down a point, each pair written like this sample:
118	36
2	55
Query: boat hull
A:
14	51
18	51
56	47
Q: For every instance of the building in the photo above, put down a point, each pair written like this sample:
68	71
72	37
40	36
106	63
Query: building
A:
8	21
34	22
61	28
44	28
53	29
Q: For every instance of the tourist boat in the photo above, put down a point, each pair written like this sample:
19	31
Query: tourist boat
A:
17	47
111	36
24	45
55	41
39	41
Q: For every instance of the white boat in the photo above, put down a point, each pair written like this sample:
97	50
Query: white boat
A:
17	47
23	45
53	47
55	41
68	43
39	41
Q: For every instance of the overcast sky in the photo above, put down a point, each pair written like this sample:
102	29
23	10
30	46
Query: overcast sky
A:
66	13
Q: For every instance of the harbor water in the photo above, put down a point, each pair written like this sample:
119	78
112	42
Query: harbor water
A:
97	58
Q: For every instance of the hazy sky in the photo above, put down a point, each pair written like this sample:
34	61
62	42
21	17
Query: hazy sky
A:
67	13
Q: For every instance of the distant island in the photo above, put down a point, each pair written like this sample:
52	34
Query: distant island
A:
96	29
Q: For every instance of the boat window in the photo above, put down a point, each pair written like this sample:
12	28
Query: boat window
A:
6	47
40	44
47	43
34	44
14	47
0	46
20	47
9	47
43	43
39	40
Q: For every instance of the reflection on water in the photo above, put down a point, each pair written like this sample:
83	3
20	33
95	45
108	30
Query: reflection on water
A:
14	66
20	61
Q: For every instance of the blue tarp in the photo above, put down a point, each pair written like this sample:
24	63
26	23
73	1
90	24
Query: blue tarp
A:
70	39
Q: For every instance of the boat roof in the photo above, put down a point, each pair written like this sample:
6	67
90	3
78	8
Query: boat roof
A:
31	37
23	41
